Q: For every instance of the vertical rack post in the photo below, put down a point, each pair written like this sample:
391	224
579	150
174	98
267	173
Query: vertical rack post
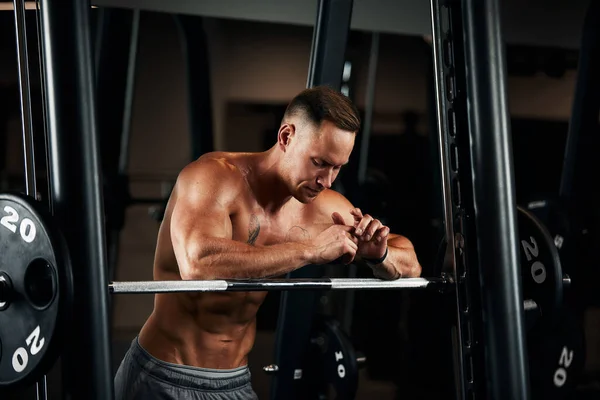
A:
76	192
494	202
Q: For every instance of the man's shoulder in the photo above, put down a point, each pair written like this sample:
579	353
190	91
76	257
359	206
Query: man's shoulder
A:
330	197
217	165
212	170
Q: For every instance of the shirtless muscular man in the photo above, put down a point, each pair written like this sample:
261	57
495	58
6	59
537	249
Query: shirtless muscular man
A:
251	215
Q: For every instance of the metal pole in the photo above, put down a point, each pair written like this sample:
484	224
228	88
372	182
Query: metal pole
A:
329	43
495	201
129	91
41	388
583	124
194	46
74	171
369	104
446	176
25	92
442	122
27	125
41	61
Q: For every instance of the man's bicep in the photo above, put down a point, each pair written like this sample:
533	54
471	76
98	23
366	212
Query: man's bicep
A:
201	211
192	226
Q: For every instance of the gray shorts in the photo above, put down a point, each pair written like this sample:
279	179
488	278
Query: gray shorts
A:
142	376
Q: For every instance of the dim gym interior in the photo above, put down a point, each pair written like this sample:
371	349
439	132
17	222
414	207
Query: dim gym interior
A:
478	138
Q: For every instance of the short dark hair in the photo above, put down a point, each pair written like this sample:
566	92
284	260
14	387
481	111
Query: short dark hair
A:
325	103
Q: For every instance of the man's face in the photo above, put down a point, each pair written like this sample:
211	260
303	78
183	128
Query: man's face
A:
315	159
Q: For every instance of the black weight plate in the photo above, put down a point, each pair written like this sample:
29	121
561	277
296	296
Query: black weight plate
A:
541	269
34	257
556	358
558	221
573	235
334	360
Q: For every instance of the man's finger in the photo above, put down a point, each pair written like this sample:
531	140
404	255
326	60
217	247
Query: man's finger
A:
357	214
353	244
345	228
374	226
363	224
353	238
383	234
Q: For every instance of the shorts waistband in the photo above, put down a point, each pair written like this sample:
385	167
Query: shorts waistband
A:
146	358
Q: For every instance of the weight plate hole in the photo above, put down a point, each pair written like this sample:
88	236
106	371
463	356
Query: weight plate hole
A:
40	283
5	291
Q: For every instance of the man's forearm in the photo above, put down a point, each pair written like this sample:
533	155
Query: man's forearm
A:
400	262
228	259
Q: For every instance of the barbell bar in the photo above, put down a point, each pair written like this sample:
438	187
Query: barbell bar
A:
245	285
249	285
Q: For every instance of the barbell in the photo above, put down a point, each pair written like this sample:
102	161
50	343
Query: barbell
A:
36	290
253	285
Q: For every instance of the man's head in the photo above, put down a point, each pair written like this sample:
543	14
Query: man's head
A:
316	137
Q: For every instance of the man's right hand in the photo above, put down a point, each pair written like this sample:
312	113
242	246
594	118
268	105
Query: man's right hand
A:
335	242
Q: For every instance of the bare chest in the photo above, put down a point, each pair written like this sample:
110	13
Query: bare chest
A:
258	228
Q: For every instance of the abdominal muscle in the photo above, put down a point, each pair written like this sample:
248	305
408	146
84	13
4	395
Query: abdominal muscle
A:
202	329
208	330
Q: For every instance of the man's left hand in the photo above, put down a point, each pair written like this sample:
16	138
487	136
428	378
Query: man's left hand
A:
372	235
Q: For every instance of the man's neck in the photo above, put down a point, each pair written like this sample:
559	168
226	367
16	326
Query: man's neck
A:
265	180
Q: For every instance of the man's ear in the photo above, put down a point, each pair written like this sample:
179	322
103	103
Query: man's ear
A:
285	135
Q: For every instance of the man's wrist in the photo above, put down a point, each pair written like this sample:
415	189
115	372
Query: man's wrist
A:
371	262
308	254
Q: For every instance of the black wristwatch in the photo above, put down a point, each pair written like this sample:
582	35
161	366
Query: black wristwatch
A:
375	261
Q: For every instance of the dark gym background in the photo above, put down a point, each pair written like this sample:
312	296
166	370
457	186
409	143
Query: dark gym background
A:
255	69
